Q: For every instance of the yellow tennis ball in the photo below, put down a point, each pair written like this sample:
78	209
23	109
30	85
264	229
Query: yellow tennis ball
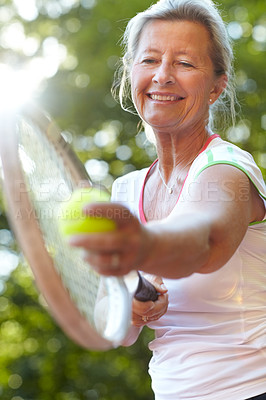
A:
73	221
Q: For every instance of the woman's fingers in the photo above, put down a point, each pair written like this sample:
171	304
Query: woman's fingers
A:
116	252
145	312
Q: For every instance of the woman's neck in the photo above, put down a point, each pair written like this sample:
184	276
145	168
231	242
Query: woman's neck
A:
177	152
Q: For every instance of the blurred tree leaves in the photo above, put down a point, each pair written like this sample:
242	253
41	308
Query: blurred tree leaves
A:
79	39
39	362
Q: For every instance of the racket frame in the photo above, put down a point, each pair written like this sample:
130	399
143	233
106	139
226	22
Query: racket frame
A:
25	226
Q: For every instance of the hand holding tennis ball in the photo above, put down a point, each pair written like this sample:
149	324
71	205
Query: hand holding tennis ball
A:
72	220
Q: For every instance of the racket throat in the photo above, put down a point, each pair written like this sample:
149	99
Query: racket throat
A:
139	287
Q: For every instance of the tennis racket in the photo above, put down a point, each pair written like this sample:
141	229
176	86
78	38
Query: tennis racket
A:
40	171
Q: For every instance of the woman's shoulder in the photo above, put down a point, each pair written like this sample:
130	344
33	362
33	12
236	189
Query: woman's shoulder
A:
131	176
129	185
220	151
221	147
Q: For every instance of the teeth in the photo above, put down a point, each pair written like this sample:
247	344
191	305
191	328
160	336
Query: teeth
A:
163	98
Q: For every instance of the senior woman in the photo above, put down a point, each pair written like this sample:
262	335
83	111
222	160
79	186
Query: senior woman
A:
196	217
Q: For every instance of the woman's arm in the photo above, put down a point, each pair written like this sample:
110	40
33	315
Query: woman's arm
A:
203	233
200	235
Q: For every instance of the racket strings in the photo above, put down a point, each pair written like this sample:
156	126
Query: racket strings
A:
48	184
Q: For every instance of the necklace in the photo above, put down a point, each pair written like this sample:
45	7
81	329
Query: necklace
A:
169	188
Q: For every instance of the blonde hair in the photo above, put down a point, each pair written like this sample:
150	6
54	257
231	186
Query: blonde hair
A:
201	11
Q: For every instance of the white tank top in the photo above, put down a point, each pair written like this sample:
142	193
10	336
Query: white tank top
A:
211	343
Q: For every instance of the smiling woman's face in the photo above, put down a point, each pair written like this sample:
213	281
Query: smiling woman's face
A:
172	75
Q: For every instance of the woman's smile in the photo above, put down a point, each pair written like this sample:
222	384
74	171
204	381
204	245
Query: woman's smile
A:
164	97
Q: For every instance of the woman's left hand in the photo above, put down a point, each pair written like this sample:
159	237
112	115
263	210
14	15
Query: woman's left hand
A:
148	311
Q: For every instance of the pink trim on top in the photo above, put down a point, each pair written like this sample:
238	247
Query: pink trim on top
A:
141	211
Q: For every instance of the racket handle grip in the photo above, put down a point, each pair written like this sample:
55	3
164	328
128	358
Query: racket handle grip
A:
145	290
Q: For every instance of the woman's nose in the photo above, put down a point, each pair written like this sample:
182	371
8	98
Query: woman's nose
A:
164	74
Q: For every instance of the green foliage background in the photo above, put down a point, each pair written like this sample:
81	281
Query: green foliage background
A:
37	361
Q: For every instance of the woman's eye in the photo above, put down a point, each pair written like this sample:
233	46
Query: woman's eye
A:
185	64
148	61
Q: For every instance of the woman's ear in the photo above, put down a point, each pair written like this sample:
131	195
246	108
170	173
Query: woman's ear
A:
218	88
